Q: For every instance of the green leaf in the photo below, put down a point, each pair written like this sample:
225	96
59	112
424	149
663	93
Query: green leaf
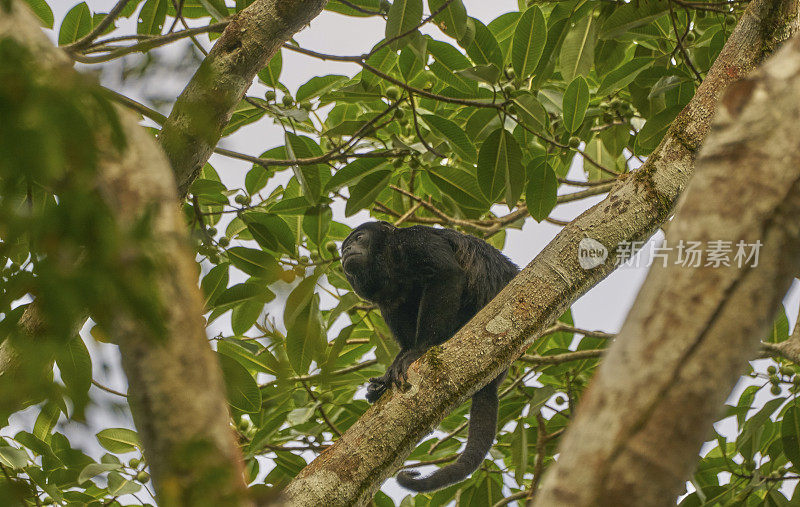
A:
245	113
216	8
13	457
214	284
298	299
577	50
363	193
530	37
119	485
317	223
452	20
75	365
353	172
319	85
655	129
486	73
779	331
500	167
245	315
790	435
118	440
270	75
77	23
241	388
46	421
403	16
151	17
94	469
305	338
413	57
262	361
256	179
242	293
459	185
623	75
576	100
455	136
42	11
541	194
255	263
372	7
270	231
519	451
531	112
626	17
484	48
448	61
308	175
383	59
290	206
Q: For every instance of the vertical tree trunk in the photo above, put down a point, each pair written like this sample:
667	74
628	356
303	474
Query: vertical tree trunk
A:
691	331
176	392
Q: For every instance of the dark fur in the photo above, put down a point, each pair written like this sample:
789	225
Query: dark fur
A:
428	283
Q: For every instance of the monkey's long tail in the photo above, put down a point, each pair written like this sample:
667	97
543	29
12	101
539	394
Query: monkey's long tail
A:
482	429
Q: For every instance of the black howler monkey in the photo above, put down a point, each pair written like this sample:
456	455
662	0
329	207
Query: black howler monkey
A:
428	283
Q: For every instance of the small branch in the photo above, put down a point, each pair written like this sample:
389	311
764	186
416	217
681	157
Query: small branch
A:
507	500
146	44
679	41
575	183
108	389
100	28
321	411
416	128
561	358
343	371
360	60
358	8
408	213
135	106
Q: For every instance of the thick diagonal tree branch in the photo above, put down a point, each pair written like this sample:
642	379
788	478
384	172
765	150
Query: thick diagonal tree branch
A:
351	470
175	385
641	423
205	106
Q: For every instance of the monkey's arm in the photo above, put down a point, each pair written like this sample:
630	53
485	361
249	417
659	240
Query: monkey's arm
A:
443	282
437	316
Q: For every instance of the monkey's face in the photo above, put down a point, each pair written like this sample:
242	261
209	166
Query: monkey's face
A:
355	250
363	259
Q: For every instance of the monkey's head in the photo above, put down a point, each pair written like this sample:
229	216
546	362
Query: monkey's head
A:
365	259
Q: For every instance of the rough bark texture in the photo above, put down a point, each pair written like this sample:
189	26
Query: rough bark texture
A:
205	106
691	330
176	391
350	471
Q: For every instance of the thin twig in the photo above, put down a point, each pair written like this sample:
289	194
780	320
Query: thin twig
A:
108	389
100	28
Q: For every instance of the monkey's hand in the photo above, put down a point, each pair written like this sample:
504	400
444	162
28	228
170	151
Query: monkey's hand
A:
377	386
397	374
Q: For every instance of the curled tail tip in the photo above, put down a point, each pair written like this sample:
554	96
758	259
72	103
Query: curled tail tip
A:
408	479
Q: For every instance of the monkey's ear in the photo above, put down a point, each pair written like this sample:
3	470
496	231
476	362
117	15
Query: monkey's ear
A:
386	225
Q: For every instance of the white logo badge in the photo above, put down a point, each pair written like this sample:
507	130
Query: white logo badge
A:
591	253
